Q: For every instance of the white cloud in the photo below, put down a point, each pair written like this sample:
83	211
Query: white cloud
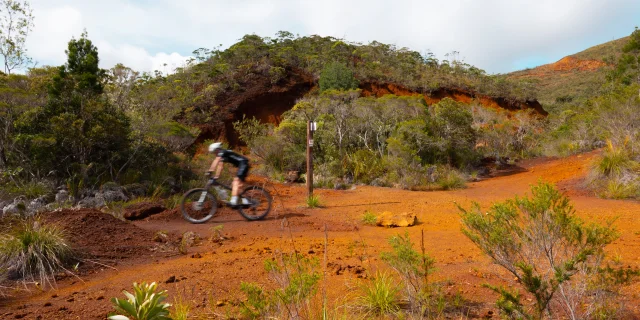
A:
494	35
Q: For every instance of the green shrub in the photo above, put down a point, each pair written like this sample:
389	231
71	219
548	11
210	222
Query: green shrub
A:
614	161
451	180
34	250
337	76
144	304
414	268
313	201
379	295
548	249
256	303
619	189
369	218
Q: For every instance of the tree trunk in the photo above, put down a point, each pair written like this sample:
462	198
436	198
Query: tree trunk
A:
3	158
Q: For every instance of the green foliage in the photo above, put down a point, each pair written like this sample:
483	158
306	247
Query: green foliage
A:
77	127
33	250
379	295
296	278
451	179
369	218
313	201
529	235
144	304
336	76
256	303
414	268
16	21
615	173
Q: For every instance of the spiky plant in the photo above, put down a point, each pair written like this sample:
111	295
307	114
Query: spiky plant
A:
144	304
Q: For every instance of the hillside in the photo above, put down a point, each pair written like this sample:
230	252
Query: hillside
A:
574	77
264	77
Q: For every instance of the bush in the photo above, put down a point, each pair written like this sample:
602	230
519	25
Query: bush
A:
616	174
313	201
369	218
296	278
379	296
451	179
144	304
414	269
336	76
548	249
34	251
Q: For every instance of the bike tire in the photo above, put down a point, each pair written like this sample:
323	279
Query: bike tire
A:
189	209
260	203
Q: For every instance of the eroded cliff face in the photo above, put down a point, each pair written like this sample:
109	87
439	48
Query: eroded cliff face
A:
380	89
266	101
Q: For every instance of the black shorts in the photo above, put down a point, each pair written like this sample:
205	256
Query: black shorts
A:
243	170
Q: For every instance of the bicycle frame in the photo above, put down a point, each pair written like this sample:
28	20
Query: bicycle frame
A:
213	182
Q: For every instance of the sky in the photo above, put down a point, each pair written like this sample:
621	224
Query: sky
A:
498	36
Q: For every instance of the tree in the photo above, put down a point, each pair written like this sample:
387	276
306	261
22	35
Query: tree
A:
336	76
16	21
77	128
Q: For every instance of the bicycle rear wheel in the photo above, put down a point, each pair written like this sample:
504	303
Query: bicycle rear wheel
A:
198	205
259	203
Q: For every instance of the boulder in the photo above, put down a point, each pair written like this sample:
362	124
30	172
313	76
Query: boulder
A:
63	196
36	205
135	190
111	196
389	219
142	210
293	176
91	202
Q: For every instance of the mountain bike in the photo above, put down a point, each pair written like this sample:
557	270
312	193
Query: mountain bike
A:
200	204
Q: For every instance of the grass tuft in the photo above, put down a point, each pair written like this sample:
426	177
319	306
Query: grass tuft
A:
34	251
452	180
379	296
313	201
369	218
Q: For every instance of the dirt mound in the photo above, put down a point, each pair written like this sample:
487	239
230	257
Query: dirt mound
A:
95	234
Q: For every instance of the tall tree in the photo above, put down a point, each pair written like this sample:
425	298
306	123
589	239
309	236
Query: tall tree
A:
78	128
16	21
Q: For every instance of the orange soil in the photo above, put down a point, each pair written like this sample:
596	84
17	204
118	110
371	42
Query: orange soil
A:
212	272
381	89
565	65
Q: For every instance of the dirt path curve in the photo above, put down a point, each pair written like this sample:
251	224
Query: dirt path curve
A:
210	274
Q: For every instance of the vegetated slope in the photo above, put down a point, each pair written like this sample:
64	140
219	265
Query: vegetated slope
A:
263	77
575	77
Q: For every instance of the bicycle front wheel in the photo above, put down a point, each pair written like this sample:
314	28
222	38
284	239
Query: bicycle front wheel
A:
256	203
198	205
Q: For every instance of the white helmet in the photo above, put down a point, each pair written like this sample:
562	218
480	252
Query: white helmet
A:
214	146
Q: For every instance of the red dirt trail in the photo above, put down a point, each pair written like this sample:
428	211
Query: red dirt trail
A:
211	272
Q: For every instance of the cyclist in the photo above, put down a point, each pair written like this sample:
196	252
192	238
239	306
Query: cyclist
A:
240	162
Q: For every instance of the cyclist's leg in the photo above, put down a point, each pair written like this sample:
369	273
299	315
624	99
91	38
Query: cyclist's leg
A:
243	170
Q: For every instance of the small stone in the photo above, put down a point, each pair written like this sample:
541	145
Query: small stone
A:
47	304
171	279
100	298
220	303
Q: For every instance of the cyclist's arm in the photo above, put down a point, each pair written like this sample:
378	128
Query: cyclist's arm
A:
219	169
216	166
